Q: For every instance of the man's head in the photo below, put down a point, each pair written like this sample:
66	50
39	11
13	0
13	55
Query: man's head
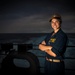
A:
56	16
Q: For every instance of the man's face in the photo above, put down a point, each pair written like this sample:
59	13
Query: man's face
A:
55	24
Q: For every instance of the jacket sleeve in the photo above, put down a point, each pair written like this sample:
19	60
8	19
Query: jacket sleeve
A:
59	45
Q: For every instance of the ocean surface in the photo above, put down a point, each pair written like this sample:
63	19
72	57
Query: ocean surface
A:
23	37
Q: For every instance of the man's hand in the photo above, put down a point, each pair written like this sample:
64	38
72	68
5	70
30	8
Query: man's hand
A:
47	49
43	42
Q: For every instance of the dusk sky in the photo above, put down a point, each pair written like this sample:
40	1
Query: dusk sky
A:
32	16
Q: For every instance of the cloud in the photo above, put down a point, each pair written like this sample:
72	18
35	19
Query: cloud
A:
32	17
26	24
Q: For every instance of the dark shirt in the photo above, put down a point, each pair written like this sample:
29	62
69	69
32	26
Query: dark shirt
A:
58	42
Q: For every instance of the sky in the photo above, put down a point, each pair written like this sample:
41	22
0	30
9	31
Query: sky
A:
32	16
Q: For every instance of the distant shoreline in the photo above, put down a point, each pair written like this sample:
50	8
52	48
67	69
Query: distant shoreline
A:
30	34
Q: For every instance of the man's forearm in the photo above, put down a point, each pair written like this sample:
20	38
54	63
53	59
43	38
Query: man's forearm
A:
44	47
47	49
50	53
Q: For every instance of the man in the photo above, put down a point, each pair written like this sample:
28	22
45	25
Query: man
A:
54	45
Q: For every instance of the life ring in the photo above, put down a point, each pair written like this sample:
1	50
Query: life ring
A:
30	64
